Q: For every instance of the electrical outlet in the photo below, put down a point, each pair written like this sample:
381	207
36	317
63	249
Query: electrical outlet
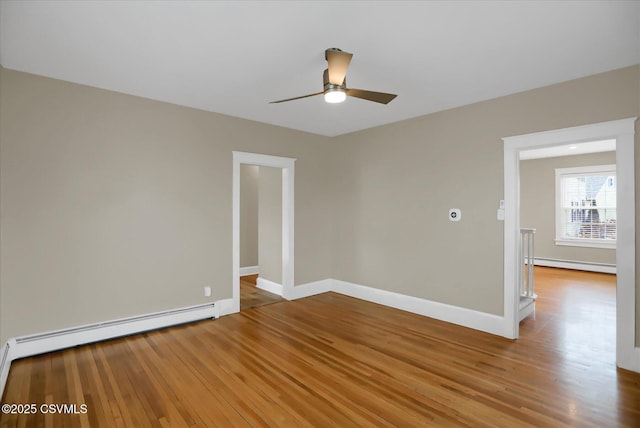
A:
455	214
207	291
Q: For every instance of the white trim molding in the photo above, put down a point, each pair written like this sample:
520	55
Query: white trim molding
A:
249	270
623	131
299	291
226	307
476	320
310	289
5	363
586	243
270	286
288	176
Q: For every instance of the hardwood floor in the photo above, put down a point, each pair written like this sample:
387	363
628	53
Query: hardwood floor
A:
251	296
576	313
330	360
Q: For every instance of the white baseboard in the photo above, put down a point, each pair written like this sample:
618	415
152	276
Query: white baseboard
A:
299	291
5	364
527	307
482	321
270	286
310	289
576	265
249	270
226	307
629	360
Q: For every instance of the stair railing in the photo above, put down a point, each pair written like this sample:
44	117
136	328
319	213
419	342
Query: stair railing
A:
527	261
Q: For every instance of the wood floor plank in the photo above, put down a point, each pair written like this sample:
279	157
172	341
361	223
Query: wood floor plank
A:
331	360
251	296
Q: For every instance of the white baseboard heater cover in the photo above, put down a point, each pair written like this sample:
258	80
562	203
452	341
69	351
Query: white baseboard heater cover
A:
69	337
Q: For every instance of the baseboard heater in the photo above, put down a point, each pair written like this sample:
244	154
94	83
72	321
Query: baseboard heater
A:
5	359
34	344
5	365
5	355
576	265
46	342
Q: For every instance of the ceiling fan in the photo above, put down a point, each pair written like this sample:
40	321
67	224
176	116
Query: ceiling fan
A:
335	82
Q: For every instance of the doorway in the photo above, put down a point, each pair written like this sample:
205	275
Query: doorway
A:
286	165
623	131
574	308
260	236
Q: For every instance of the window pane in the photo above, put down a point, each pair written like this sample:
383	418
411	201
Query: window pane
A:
589	206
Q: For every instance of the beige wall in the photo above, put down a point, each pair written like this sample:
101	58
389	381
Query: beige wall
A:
270	224
538	205
398	181
114	205
249	185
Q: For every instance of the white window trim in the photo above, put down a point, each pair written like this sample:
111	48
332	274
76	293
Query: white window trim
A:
590	243
577	242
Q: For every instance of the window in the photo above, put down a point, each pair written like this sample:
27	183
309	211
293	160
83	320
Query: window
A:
586	206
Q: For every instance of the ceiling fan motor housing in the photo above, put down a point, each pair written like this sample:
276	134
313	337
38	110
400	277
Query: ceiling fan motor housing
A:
331	49
328	85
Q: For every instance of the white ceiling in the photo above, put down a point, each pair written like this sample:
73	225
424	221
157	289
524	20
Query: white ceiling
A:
233	57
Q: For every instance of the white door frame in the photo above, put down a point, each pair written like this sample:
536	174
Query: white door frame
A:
623	131
288	173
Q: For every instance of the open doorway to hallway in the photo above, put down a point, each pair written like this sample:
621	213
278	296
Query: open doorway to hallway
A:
623	132
260	235
568	210
276	270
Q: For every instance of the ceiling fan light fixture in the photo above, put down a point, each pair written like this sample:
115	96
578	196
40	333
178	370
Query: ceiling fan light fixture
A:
334	96
334	82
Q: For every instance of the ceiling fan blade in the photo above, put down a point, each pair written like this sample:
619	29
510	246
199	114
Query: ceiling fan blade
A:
338	65
296	98
378	97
